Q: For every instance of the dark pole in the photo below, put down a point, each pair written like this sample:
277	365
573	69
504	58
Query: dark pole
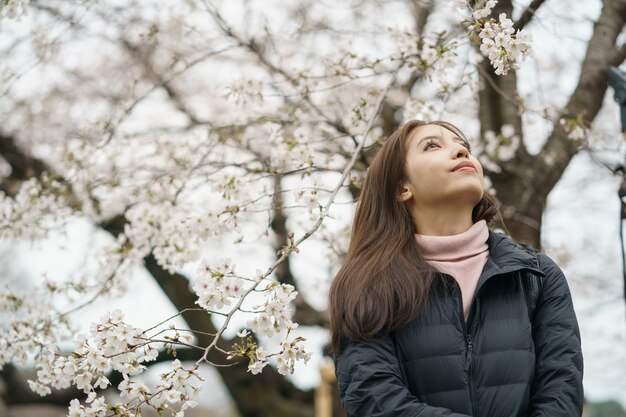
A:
617	80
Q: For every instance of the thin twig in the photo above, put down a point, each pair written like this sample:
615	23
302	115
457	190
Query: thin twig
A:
323	213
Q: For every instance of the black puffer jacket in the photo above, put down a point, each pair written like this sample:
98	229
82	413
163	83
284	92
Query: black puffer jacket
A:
438	366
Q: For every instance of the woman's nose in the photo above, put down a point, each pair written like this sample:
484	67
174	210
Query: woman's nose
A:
461	151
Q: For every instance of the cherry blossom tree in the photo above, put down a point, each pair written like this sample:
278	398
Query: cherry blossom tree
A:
171	126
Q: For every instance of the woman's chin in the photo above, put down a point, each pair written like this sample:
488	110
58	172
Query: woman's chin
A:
468	195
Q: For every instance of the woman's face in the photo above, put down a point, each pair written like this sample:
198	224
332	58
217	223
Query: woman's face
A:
433	155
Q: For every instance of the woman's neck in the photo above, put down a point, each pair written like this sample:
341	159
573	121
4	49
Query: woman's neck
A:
442	222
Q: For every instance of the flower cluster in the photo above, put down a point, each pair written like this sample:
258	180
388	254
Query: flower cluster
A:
310	197
276	314
501	146
113	344
159	228
421	109
574	127
37	208
178	386
504	46
365	105
256	354
216	286
348	63
44	46
98	407
173	234
432	55
258	361
283	149
483	11
246	92
438	56
289	150
291	351
13	9
30	323
460	4
272	319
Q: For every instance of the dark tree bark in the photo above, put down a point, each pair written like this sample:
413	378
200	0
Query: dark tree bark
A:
526	180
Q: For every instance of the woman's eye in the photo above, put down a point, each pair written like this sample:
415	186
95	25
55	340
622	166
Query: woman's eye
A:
428	145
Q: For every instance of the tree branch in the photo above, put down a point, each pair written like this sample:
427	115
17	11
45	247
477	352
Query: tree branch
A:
269	393
588	95
157	79
421	12
620	56
17	390
242	385
528	14
534	176
304	313
266	394
23	167
498	106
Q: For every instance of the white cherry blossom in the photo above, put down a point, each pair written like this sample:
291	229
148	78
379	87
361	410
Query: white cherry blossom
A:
504	46
13	9
156	183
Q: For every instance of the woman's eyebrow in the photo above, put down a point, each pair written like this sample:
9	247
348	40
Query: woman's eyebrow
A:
458	139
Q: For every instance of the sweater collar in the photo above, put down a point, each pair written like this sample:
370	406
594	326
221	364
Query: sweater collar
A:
457	247
505	255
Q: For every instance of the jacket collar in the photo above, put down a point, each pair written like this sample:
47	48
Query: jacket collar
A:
507	256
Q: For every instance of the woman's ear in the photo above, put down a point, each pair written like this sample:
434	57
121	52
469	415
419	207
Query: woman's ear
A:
404	194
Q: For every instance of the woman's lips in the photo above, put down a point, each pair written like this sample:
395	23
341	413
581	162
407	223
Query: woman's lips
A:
464	164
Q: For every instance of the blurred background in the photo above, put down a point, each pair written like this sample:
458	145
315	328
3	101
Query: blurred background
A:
159	118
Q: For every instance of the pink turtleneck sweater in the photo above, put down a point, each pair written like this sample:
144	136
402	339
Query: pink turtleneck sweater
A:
463	256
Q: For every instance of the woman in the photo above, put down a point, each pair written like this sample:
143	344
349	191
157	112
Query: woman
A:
428	313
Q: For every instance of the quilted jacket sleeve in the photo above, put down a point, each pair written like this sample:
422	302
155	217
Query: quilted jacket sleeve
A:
557	388
370	383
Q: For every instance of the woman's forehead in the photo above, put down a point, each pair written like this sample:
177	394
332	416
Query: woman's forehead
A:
430	130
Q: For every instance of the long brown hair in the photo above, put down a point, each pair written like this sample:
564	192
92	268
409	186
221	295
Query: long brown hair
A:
384	280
